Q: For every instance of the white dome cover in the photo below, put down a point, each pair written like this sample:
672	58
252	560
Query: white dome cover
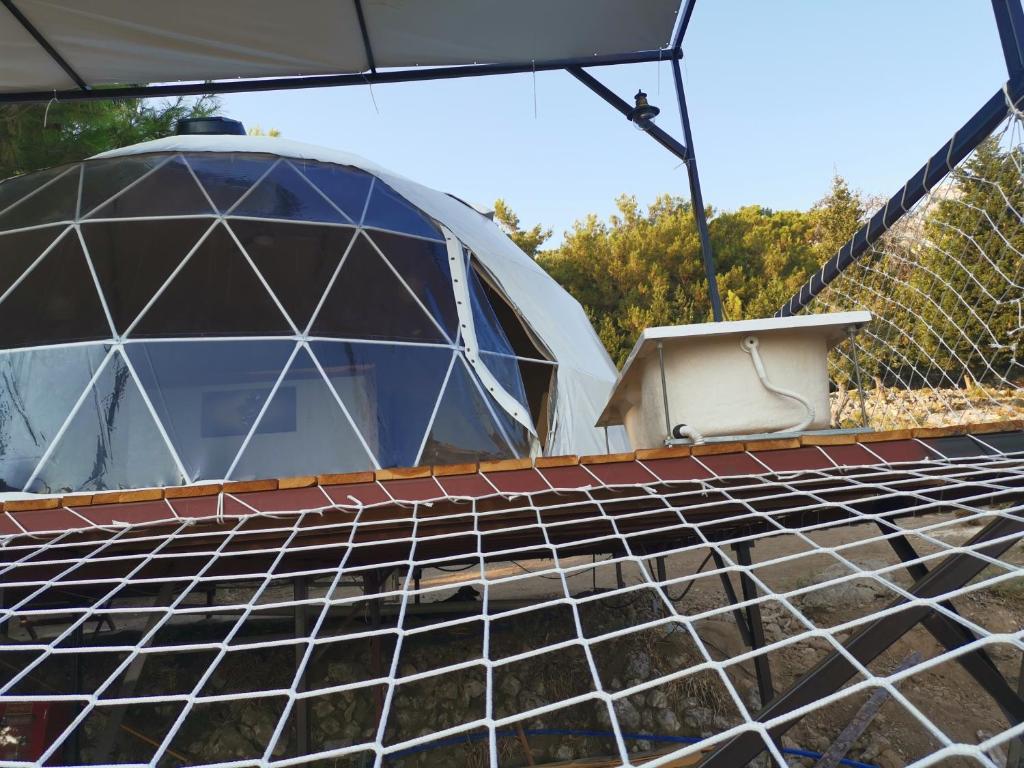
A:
586	373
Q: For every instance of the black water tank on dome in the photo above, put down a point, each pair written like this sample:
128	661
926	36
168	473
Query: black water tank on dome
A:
209	126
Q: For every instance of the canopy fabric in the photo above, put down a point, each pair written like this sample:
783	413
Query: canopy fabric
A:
109	42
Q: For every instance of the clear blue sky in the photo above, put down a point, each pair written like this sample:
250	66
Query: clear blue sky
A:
781	93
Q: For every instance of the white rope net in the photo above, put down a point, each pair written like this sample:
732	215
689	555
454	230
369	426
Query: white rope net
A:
945	288
584	619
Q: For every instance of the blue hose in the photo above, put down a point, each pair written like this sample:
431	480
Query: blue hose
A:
471	737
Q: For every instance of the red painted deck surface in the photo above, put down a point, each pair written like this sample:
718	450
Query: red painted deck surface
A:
516	486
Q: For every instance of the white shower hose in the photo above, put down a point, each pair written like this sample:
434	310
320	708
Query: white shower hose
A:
749	345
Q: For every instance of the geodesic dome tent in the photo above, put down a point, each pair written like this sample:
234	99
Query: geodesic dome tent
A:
216	307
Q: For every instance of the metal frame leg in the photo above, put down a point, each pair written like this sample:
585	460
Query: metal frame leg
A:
951	634
659	565
373	583
697	198
730	594
73	748
748	620
108	738
761	664
870	642
300	591
1010	22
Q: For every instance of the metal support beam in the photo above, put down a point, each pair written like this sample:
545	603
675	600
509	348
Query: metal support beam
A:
366	36
73	748
964	141
730	595
130	680
373	583
871	641
697	198
416	74
951	634
659	564
685	13
761	666
1015	751
45	45
1010	22
303	733
626	108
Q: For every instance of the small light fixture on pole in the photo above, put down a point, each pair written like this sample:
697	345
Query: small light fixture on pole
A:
643	114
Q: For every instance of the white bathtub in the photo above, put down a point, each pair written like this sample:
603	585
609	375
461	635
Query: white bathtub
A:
712	384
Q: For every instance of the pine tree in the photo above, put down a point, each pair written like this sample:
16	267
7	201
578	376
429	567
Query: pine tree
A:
969	268
79	129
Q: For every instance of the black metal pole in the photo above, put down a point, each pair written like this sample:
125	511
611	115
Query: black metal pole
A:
1010	22
300	591
626	108
697	199
685	14
762	667
730	595
74	744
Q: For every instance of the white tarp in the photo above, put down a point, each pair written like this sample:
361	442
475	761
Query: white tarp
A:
585	371
145	41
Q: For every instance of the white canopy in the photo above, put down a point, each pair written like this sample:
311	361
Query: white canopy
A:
585	371
146	41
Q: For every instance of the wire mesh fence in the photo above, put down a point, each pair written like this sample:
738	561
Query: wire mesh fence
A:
945	286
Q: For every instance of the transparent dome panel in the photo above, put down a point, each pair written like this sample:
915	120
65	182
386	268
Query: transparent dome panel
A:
38	389
111	443
489	333
516	434
464	429
16	188
347	188
216	293
297	260
104	179
226	177
55	201
506	371
424	267
388	210
133	259
368	301
284	193
56	301
207	394
169	189
302	431
497	353
390	391
19	249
